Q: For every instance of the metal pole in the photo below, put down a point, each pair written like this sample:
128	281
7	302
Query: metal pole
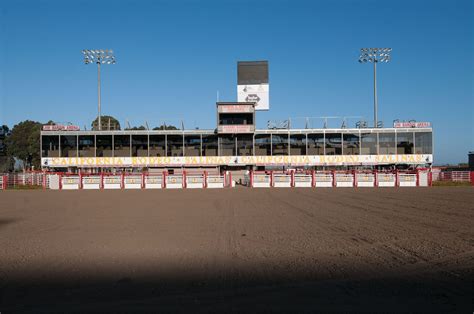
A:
375	95
98	89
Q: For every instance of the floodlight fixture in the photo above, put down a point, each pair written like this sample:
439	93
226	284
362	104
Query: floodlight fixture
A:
99	57
375	55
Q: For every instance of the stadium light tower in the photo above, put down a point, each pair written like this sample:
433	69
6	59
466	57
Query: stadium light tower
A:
100	57
375	55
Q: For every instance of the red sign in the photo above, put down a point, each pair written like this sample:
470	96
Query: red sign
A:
59	127
239	128
411	124
235	108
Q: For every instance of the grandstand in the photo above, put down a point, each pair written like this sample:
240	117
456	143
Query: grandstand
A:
236	144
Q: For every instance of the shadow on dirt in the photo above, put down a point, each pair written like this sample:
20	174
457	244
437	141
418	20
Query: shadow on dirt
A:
236	294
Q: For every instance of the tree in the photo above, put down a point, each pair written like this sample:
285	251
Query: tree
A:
23	143
108	123
135	128
165	127
6	162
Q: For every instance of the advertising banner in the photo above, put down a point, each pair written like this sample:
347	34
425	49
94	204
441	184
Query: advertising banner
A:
259	94
235	161
252	83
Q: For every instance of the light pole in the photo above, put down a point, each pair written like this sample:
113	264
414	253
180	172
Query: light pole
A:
100	57
375	55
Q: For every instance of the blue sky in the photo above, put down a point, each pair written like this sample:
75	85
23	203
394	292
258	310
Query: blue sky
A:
172	57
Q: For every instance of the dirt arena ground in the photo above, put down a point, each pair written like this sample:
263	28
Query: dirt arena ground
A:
240	250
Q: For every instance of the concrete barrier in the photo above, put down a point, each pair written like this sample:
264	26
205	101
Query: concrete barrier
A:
70	182
262	181
345	180
174	181
92	182
153	181
194	181
112	182
132	182
3	182
303	180
282	180
324	180
364	180
407	179
215	182
386	179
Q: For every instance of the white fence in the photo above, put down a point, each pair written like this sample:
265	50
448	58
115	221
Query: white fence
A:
337	179
138	181
196	180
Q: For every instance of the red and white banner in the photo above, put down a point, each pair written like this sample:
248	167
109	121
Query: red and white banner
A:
236	108
59	127
236	128
411	124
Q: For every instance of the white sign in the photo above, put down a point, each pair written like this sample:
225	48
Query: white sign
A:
258	93
59	127
411	124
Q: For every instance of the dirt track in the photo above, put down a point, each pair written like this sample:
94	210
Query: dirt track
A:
238	250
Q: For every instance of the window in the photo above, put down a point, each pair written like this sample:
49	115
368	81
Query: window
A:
209	145
86	146
244	145
333	144
174	145
226	145
387	143
192	145
316	144
279	144
104	145
121	145
405	143
423	143
351	144
68	146
368	144
235	118
157	145
50	146
262	145
139	145
297	144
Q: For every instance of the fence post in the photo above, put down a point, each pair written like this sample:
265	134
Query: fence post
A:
397	179
183	177
122	181
60	181
251	178
80	180
292	183
471	174
204	184
101	185
230	179
44	180
163	183
376	178
142	185
417	177
334	183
